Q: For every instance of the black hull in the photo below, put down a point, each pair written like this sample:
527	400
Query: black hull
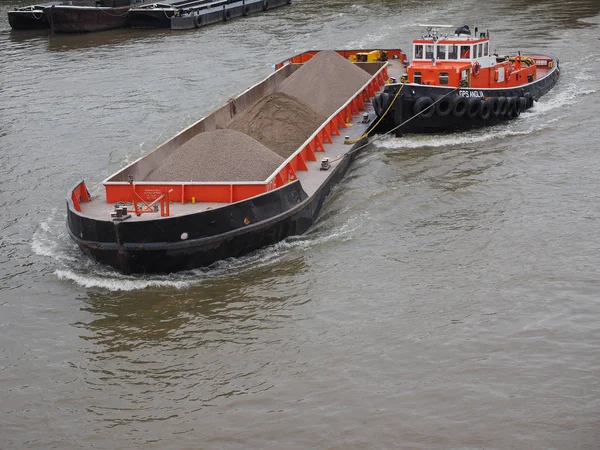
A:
75	19
402	116
150	18
27	20
156	247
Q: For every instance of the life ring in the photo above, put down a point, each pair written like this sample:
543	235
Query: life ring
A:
265	5
486	110
503	106
422	108
474	108
476	68
494	106
226	15
198	21
459	106
245	10
443	107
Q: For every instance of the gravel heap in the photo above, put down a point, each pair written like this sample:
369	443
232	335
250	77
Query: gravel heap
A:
325	82
221	155
279	122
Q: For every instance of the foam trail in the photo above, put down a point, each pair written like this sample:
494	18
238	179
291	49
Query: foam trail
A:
118	282
449	140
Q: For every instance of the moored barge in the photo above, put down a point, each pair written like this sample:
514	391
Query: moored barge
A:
28	17
141	226
220	11
456	83
89	15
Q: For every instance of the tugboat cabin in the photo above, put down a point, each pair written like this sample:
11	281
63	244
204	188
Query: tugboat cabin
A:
465	59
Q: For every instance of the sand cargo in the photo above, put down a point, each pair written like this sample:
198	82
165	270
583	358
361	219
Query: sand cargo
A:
250	174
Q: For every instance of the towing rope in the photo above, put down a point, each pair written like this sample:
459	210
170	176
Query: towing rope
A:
354	141
376	138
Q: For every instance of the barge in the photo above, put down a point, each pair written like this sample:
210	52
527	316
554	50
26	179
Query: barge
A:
89	15
138	223
220	11
74	16
30	17
455	82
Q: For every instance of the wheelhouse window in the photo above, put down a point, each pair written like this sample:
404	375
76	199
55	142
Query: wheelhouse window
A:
441	52
429	52
465	52
417	77
486	49
444	77
480	52
418	52
453	52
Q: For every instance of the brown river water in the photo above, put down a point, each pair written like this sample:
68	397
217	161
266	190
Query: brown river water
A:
448	297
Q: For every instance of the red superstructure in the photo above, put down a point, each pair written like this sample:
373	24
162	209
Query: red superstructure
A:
466	59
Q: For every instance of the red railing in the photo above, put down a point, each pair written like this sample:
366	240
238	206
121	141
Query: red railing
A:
79	194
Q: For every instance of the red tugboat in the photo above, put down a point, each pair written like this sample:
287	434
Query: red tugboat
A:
456	82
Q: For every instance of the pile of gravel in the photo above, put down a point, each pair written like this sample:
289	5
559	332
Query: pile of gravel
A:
221	155
325	82
279	122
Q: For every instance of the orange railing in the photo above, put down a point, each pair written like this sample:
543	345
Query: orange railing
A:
79	194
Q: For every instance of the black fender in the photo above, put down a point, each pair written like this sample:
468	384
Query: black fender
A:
422	108
443	107
474	108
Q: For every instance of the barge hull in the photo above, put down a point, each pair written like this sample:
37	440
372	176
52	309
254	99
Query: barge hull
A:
65	19
28	20
230	11
288	211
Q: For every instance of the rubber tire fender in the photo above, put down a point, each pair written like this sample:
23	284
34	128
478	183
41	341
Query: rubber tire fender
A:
517	108
384	101
529	98
474	108
265	5
422	104
494	106
443	107
198	21
486	109
245	10
503	106
510	101
524	103
459	106
376	102
226	15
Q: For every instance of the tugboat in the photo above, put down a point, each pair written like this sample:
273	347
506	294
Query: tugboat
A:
455	82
